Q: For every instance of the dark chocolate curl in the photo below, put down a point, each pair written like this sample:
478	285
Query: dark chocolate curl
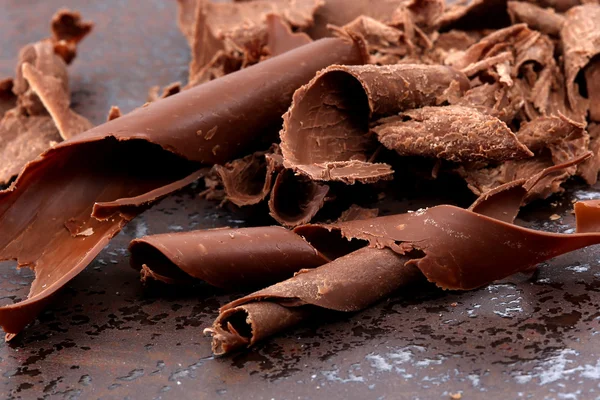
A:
107	175
581	43
325	131
453	133
226	258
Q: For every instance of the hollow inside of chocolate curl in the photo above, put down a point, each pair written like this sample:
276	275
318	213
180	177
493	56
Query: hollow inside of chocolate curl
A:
161	264
295	195
334	108
580	79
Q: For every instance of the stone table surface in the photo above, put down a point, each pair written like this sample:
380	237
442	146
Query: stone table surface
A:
108	336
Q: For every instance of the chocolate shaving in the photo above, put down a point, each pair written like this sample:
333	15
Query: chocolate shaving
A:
296	199
545	20
8	99
453	133
452	247
280	37
225	258
108	175
325	131
589	169
580	37
248	180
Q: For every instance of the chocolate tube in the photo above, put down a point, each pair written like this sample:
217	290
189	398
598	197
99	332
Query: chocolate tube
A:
325	130
225	258
452	247
107	175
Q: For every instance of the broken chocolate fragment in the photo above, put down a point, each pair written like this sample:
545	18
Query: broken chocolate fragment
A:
109	174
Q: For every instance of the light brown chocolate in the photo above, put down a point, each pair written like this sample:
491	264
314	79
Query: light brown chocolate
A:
545	20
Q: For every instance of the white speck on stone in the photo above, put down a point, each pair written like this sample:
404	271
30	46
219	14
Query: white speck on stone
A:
579	268
141	229
379	363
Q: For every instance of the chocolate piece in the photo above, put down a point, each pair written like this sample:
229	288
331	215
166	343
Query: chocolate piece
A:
453	133
560	5
114	112
67	25
325	131
186	16
107	175
296	199
350	283
474	14
248	181
226	258
495	99
356	212
580	37
545	20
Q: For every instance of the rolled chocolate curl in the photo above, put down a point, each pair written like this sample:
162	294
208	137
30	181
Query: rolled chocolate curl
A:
101	179
581	43
325	130
225	258
545	20
350	283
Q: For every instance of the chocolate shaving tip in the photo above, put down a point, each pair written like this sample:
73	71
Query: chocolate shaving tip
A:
545	20
8	99
356	212
67	25
453	133
169	90
296	199
580	37
589	169
225	258
329	117
109	174
113	113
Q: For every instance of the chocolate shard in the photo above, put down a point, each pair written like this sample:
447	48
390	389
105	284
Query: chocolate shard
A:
450	246
545	20
560	5
113	113
109	174
248	180
580	38
169	90
474	15
328	120
544	132
57	101
67	31
356	212
226	258
296	199
454	133
186	16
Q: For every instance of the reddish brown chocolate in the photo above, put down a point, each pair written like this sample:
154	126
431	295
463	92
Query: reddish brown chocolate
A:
226	258
107	175
325	131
